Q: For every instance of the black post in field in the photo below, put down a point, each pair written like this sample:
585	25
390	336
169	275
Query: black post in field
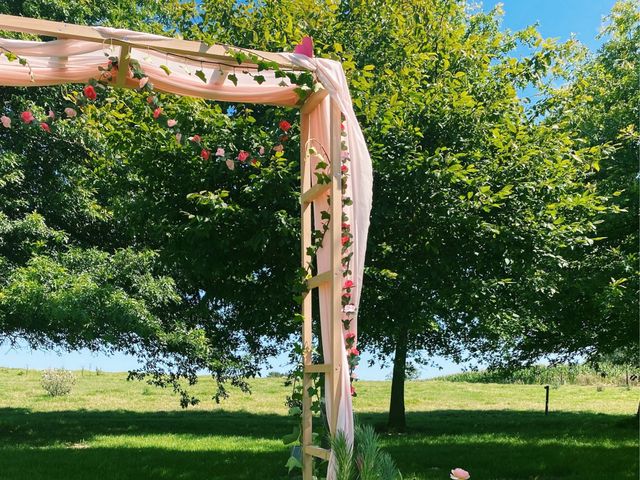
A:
546	401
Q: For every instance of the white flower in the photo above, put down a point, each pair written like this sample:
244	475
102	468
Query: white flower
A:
349	308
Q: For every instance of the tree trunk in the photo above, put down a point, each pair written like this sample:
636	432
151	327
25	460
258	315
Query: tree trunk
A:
397	420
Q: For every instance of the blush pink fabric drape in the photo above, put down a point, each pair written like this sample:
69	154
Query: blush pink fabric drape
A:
75	61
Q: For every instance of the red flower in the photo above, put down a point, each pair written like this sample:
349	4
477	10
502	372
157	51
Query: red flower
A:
195	139
350	336
157	112
348	284
284	125
346	226
344	169
27	117
45	126
242	155
205	154
90	92
353	391
345	239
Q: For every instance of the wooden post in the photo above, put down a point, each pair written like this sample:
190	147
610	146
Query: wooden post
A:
335	235
305	237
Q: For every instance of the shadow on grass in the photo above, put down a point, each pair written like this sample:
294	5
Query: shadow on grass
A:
240	445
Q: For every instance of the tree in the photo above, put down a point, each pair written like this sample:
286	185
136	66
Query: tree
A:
478	203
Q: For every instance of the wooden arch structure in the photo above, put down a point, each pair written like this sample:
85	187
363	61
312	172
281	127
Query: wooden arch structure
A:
332	277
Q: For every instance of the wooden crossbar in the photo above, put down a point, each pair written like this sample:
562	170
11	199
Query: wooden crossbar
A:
317	368
175	46
318	452
316	281
314	192
314	100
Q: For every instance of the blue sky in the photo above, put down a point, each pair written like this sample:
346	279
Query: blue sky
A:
556	18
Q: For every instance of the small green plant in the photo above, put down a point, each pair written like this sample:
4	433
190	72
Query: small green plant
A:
58	382
365	460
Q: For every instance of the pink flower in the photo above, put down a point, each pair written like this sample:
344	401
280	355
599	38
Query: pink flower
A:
242	155
354	351
284	125
220	152
350	336
143	81
45	126
353	391
157	112
52	114
459	474
195	139
345	239
349	308
27	117
230	164
171	123
90	92
278	148
344	169
346	226
205	154
261	151
344	154
178	137
354	375
70	112
6	121
348	284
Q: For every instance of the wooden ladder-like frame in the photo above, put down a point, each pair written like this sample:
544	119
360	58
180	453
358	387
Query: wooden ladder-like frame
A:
332	276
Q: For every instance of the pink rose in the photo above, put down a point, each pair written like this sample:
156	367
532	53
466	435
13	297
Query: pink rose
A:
220	152
278	148
143	81
70	112
459	474
344	169
348	284
27	117
171	123
157	112
350	336
345	239
261	151
230	164
354	351
52	115
242	155
45	126
195	139
6	121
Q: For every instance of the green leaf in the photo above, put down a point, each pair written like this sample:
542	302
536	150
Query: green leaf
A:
201	75
167	70
233	78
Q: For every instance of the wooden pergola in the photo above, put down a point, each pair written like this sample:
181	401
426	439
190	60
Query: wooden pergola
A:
308	194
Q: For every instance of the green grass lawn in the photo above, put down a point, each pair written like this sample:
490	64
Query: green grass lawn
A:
109	428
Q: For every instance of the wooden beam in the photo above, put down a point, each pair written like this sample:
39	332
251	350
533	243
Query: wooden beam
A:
198	50
123	65
317	368
307	333
316	281
314	100
322	453
314	192
335	239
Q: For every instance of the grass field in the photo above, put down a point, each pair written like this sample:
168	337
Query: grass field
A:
112	429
